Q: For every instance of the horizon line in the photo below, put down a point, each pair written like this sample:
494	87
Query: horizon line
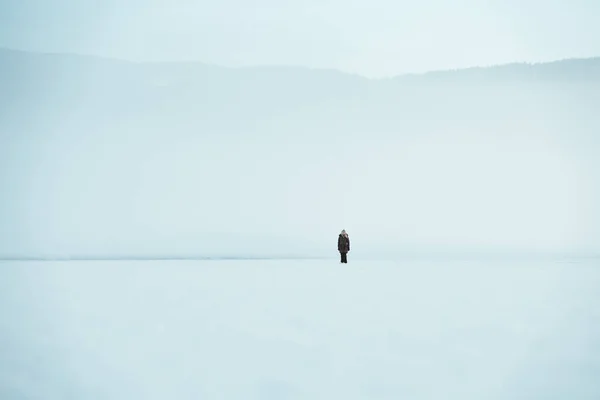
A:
384	256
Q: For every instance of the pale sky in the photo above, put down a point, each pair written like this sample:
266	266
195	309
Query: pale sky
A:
373	38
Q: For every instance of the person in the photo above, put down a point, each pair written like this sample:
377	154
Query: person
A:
344	246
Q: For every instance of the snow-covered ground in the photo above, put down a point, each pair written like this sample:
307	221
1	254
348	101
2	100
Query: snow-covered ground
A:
284	329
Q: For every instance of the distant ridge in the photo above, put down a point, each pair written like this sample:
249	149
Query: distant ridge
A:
582	62
113	115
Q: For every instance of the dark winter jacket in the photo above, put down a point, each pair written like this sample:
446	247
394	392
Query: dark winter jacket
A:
343	244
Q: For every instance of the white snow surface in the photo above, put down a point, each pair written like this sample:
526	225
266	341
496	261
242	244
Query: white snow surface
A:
298	329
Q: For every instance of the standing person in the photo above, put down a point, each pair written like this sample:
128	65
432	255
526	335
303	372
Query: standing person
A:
344	246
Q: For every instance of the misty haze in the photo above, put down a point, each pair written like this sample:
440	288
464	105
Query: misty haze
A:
104	157
174	178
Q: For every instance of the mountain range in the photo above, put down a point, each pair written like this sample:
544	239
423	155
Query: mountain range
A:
202	97
62	113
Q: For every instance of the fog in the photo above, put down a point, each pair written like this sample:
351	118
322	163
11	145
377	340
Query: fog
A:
299	329
111	158
89	196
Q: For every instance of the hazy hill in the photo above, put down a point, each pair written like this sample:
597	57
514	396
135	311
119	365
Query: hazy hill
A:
205	98
101	156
